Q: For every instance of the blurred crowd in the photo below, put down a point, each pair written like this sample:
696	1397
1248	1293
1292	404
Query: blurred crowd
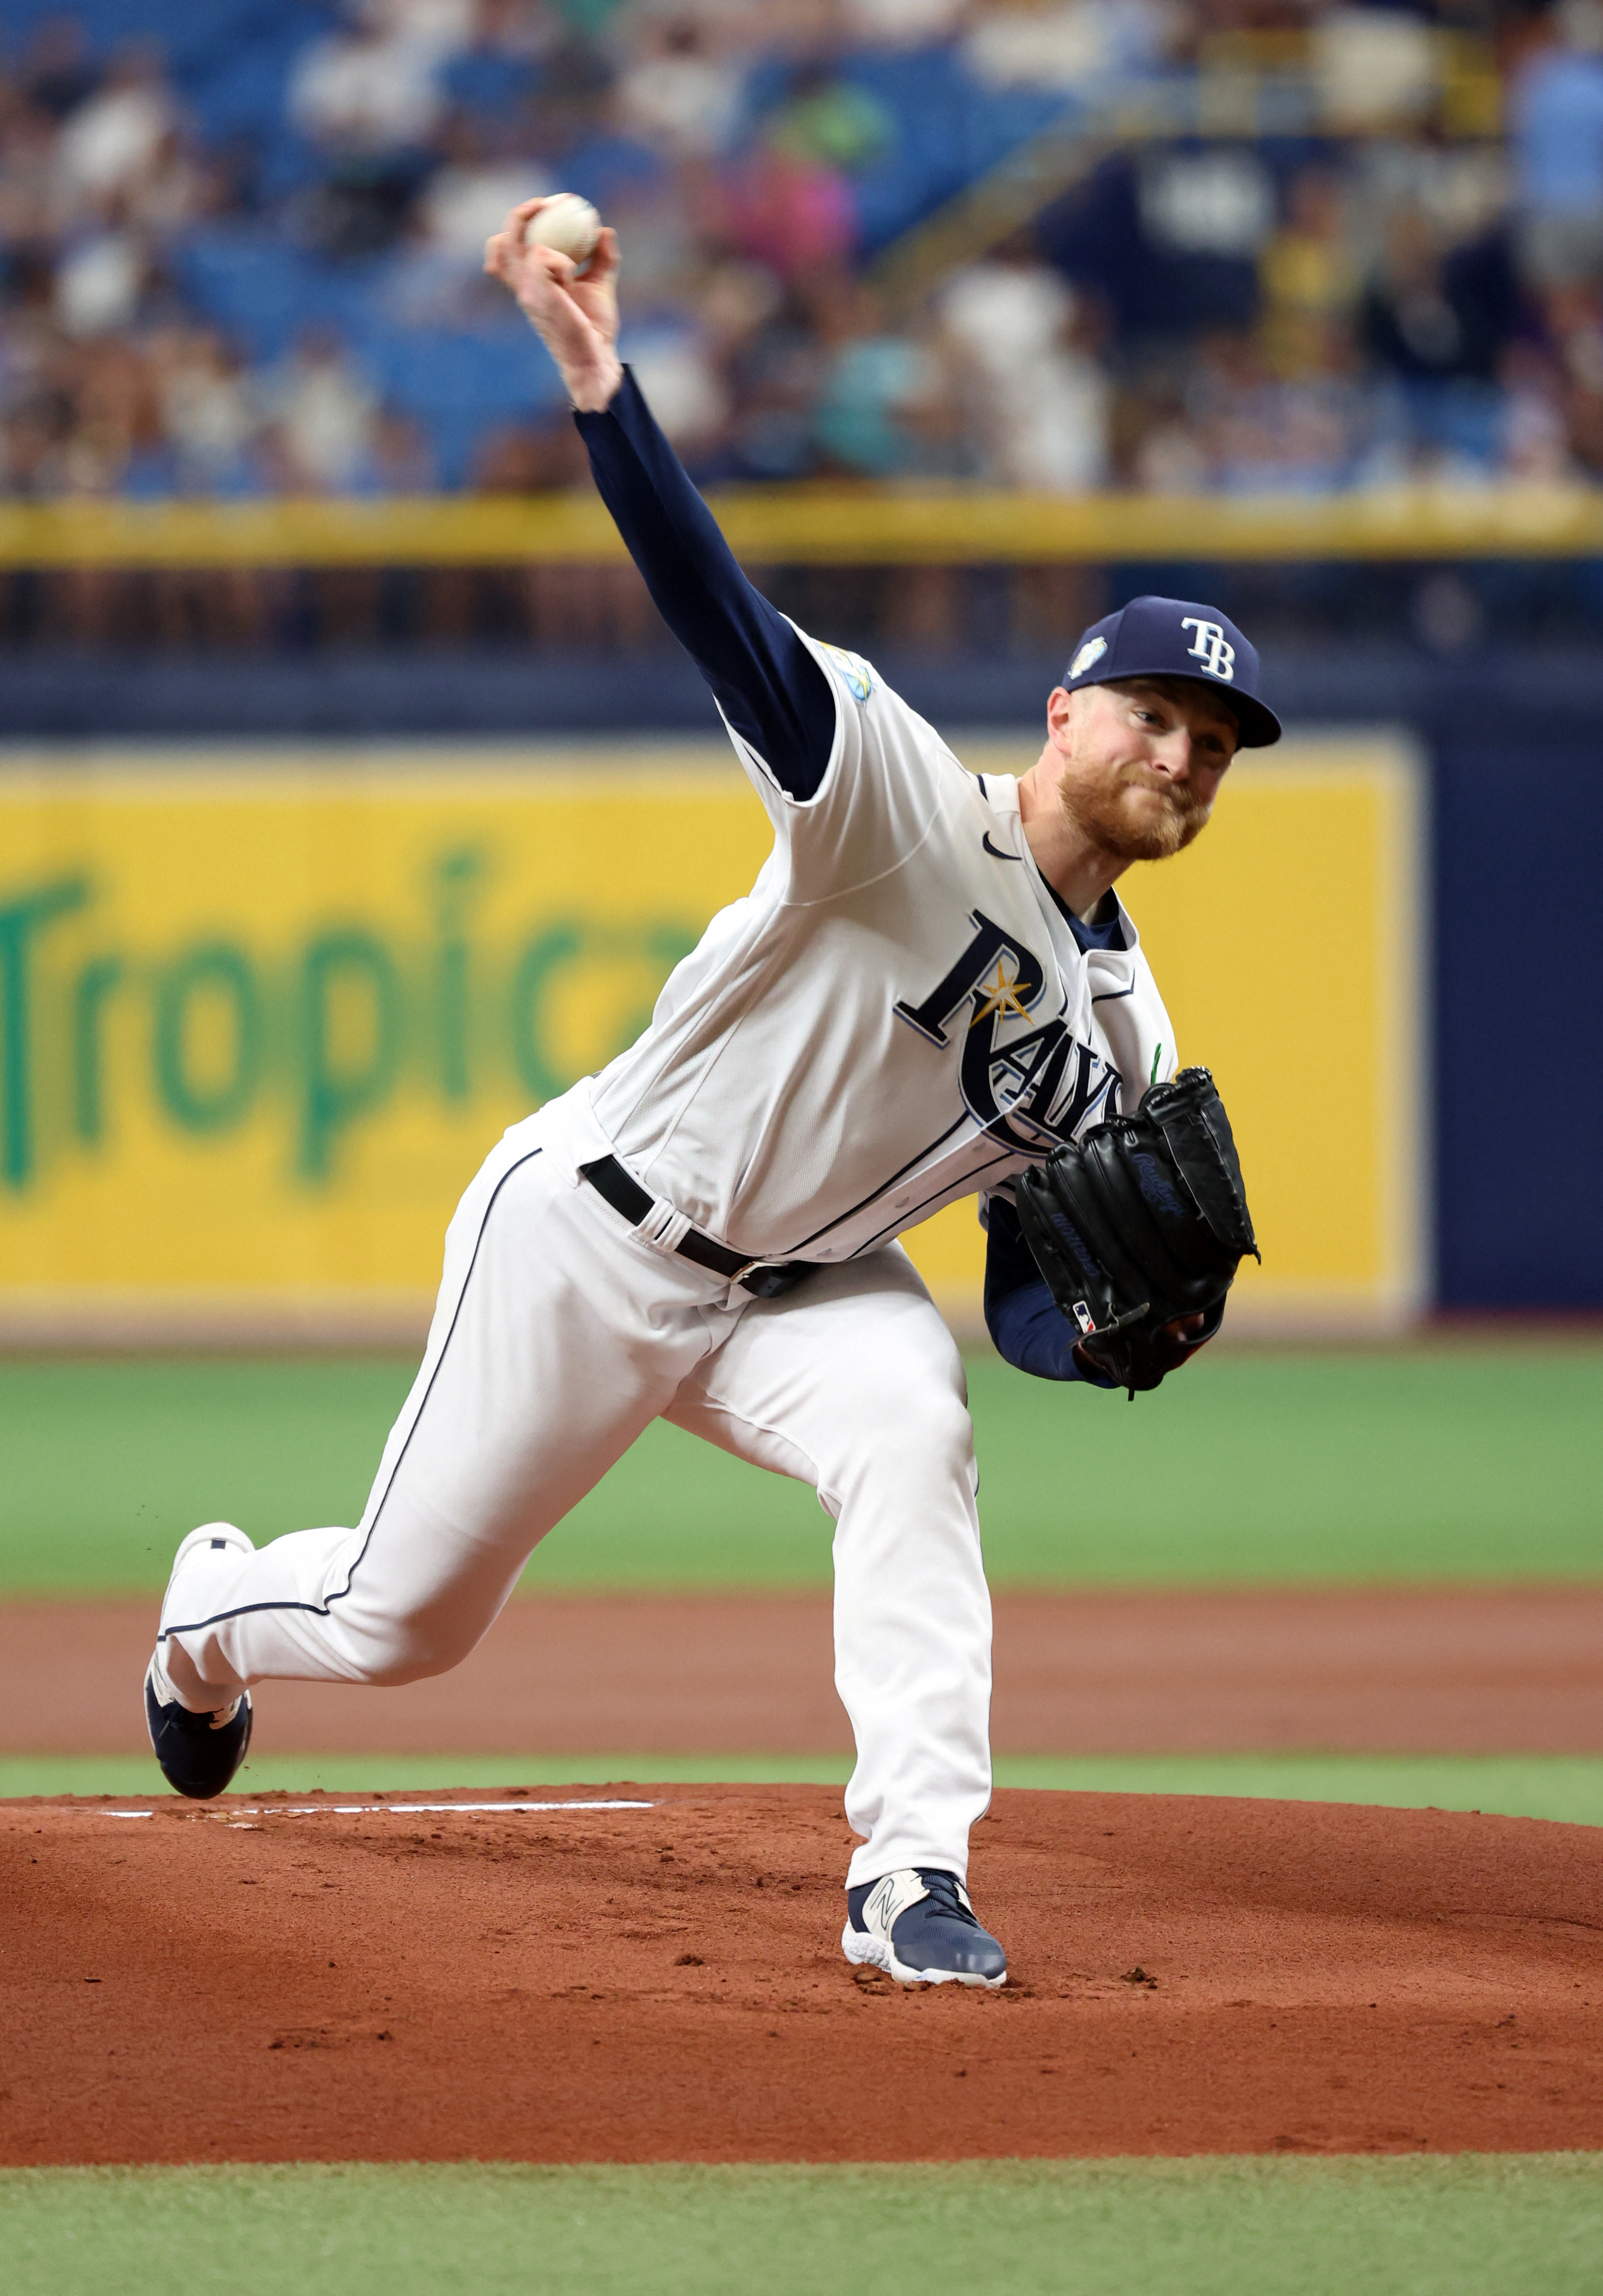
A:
239	245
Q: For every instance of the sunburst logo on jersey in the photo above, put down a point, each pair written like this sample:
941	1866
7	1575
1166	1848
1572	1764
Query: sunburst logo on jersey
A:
997	994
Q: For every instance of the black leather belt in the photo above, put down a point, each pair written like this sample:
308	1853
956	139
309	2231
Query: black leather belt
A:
766	1279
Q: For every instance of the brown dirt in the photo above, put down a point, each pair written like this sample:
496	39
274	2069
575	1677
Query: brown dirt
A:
235	1983
1499	1670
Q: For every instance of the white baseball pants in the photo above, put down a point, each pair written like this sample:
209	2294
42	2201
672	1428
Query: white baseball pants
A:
559	1334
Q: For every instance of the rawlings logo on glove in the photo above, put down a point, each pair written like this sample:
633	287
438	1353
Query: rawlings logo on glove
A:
1139	1227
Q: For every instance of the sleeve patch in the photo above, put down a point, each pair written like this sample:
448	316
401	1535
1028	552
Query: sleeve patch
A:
855	674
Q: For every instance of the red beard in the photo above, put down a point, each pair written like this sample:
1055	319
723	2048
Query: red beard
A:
1100	813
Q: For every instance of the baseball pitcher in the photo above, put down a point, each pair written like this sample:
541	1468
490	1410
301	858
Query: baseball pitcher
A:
931	991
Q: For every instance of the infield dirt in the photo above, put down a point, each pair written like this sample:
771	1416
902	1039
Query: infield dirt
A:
269	1981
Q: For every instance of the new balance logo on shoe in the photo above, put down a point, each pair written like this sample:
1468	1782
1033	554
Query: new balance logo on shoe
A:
920	1929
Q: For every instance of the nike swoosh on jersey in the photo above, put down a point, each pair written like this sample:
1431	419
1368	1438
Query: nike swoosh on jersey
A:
996	850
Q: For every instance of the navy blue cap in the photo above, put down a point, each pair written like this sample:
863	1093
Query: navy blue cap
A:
1176	637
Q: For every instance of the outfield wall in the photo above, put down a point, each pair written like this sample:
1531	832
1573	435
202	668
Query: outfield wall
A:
262	1014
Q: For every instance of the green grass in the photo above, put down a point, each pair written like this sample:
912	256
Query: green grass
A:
1564	1786
1453	1463
1474	2225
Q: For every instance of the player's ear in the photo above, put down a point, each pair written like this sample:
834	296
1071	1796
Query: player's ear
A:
1059	709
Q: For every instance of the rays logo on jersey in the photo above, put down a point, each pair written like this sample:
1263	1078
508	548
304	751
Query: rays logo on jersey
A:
1030	1086
858	676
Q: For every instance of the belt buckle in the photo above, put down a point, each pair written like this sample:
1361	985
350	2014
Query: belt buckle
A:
766	1279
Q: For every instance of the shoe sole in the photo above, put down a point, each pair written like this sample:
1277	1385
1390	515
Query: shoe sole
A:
864	1949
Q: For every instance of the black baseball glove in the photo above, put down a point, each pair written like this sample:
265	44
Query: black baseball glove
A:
1138	1227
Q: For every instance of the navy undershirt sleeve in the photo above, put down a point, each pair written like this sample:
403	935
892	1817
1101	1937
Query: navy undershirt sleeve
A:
768	685
1030	1330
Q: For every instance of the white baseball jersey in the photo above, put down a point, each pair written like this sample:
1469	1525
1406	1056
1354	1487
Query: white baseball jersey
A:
897	1014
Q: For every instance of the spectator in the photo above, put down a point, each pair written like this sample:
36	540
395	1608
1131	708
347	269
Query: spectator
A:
1258	434
1421	321
1042	400
523	458
1169	241
572	98
1574	323
887	406
778	365
1066	48
1556	119
1309	278
902	23
116	440
373	87
795	215
115	137
99	284
1537	448
322	413
439	280
30	206
827	121
1374	68
493	74
443	25
684	387
1164	453
663	225
207	412
400	460
471	197
681	97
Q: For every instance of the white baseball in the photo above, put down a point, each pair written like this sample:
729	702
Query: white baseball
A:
567	222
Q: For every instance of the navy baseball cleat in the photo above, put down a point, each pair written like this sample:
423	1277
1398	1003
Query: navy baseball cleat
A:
920	1929
199	1753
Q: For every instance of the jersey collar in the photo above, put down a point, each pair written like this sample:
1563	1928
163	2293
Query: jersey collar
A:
1118	935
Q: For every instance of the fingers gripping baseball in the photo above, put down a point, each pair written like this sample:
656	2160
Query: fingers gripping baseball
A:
575	317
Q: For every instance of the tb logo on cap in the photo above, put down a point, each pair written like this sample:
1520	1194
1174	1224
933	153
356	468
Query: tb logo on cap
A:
1211	647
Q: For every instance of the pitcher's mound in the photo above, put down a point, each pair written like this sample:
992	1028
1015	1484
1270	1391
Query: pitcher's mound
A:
432	1978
